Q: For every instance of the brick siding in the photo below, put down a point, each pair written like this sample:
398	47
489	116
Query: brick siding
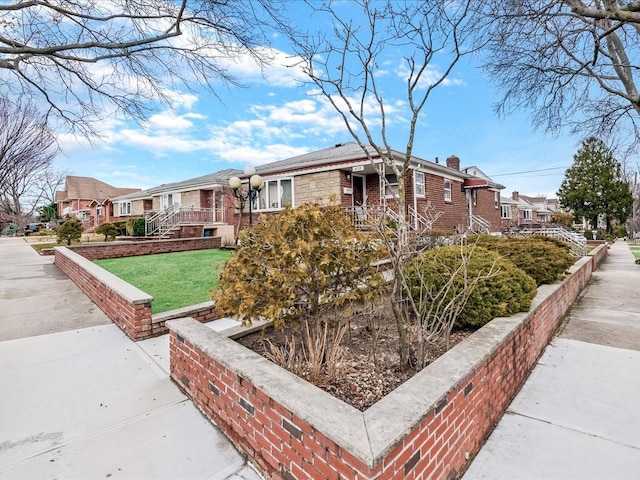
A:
430	427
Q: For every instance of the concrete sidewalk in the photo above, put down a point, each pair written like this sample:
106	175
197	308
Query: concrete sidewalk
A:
578	415
88	402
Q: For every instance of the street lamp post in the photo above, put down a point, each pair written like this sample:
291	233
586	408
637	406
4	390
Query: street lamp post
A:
250	194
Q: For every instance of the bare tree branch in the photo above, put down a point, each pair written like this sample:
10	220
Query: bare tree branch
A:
86	59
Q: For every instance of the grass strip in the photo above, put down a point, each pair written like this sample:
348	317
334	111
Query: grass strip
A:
175	280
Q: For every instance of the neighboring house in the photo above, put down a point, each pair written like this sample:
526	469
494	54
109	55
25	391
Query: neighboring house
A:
192	207
437	196
527	211
89	200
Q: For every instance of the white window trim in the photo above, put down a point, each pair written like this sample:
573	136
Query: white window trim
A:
507	209
496	199
256	205
527	214
124	209
390	186
448	190
416	184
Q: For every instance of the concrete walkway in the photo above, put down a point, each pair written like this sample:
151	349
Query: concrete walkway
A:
86	402
578	414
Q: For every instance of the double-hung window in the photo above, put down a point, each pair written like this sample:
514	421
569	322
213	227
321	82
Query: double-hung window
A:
447	190
275	195
418	180
505	211
527	214
124	209
391	189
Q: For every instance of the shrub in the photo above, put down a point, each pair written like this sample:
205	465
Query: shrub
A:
297	264
70	230
121	228
544	259
135	227
504	290
107	229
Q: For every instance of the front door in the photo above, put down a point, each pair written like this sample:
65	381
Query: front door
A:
358	186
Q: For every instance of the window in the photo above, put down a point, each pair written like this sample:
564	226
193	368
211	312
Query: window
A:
275	194
474	197
99	211
505	211
527	215
447	190
418	180
124	208
391	185
496	199
170	200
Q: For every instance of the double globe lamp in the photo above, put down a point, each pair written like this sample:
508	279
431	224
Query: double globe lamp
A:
255	185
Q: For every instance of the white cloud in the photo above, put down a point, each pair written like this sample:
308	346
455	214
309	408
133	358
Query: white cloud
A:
430	75
281	70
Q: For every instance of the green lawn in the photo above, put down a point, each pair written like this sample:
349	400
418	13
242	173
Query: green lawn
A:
174	280
635	250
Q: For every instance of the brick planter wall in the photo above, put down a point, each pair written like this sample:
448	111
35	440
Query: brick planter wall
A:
145	247
429	427
127	306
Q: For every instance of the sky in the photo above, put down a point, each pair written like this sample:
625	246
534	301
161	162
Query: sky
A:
276	115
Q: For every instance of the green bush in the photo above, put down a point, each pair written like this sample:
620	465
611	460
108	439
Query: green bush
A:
136	227
507	291
544	259
107	229
121	228
70	230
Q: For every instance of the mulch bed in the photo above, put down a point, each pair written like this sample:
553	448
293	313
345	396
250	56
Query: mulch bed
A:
369	368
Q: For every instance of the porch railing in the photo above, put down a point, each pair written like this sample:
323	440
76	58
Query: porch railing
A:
577	242
161	223
478	224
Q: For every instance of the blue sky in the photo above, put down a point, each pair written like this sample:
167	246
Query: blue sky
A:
274	117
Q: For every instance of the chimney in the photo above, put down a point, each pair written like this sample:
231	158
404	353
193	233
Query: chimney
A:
515	196
453	162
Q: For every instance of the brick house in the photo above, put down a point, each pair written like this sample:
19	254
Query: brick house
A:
520	211
189	208
437	196
89	200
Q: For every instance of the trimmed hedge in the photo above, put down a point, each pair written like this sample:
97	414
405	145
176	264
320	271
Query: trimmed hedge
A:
544	259
509	290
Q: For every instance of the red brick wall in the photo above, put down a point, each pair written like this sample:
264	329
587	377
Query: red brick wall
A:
146	247
133	318
440	445
486	208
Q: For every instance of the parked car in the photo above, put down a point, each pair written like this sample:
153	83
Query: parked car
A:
34	228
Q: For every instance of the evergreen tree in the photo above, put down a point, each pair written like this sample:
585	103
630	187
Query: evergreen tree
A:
594	185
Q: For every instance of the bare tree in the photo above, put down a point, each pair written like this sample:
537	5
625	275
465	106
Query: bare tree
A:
27	148
426	39
573	63
82	59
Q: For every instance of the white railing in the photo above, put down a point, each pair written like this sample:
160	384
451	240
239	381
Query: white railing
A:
478	224
420	222
577	242
163	222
